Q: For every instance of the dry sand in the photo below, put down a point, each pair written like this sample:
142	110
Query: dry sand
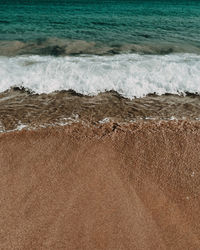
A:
108	187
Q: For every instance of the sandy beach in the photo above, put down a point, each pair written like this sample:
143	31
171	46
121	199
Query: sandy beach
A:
111	186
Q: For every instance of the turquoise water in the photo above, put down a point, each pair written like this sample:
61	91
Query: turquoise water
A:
173	26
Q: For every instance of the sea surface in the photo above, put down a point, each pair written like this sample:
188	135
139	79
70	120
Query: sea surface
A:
166	25
134	48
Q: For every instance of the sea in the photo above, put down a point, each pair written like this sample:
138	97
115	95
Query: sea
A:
128	49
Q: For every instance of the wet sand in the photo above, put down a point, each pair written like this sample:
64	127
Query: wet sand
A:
110	186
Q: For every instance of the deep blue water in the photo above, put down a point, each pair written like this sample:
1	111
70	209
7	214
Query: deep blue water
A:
108	22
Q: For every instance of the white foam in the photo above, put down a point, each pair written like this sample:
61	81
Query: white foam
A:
131	75
105	120
19	127
62	122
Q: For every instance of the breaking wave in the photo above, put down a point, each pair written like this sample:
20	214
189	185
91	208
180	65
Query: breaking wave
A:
131	75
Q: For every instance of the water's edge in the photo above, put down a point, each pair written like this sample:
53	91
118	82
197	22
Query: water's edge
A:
22	109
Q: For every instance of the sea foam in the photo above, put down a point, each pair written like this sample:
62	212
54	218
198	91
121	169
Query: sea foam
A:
131	75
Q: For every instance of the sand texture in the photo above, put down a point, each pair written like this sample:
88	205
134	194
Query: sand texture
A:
117	187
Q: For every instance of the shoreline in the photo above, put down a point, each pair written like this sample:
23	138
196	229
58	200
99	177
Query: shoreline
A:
21	108
128	186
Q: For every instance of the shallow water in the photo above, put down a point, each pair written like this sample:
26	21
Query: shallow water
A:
19	108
